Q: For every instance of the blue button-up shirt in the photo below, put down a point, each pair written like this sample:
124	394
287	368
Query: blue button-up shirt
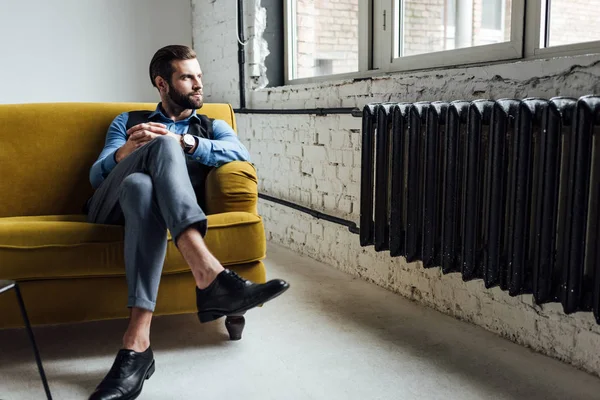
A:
223	148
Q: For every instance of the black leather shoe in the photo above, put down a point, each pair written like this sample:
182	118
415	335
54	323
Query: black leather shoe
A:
231	294
126	377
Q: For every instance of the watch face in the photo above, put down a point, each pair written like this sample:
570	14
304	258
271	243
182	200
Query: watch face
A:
188	140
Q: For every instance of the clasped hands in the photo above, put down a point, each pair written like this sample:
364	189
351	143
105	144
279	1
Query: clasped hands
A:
140	134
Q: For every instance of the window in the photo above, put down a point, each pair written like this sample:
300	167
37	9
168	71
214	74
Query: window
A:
324	37
429	28
434	33
571	21
360	38
492	14
494	27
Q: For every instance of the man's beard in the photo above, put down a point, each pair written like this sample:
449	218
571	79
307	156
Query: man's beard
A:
185	101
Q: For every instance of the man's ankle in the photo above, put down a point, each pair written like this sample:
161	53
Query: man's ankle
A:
207	277
138	348
137	345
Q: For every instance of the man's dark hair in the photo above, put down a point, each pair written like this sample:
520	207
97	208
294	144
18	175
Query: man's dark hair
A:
161	62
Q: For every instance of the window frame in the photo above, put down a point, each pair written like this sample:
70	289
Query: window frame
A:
536	17
376	47
512	49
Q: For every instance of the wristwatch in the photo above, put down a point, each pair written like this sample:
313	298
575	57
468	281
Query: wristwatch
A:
188	142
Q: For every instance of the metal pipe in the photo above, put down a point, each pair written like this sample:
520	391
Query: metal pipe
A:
355	112
317	111
241	56
349	224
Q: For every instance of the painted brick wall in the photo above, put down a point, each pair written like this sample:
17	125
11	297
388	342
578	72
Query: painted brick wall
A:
315	161
214	39
213	32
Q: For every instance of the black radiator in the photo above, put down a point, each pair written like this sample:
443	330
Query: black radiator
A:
507	191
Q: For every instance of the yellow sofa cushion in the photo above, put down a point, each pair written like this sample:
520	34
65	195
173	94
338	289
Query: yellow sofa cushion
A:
63	246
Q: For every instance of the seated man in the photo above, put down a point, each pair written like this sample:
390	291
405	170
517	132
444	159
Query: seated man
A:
142	181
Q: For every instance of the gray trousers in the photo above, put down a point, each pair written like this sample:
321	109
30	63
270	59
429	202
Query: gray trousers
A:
148	192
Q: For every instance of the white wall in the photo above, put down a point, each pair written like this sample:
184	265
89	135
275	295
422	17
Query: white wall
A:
75	50
315	161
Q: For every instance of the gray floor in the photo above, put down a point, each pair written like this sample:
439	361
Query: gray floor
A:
330	337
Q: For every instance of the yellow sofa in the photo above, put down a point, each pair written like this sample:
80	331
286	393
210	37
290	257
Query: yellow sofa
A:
70	270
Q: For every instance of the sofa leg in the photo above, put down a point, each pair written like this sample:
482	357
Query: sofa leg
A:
235	326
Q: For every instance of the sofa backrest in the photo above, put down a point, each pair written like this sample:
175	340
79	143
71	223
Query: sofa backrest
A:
46	151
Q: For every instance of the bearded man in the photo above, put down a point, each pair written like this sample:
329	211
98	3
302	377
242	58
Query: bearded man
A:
149	178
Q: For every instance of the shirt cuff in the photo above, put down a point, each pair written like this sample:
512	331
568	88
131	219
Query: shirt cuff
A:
108	163
203	151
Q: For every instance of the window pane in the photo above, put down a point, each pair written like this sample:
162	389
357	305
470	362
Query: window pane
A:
431	25
573	21
325	38
491	16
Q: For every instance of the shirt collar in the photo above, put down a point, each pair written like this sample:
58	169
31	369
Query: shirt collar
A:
159	111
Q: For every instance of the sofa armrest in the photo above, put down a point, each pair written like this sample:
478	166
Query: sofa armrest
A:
232	187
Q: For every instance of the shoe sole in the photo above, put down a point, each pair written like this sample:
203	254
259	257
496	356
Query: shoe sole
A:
207	316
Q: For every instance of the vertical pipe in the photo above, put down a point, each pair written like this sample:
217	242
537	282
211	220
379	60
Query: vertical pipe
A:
241	55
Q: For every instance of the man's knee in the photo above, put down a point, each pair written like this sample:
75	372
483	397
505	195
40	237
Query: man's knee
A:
136	187
166	144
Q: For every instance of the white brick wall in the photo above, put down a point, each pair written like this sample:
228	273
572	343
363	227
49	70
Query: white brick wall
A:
213	32
214	40
315	161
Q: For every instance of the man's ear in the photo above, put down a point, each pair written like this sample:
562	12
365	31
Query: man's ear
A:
161	83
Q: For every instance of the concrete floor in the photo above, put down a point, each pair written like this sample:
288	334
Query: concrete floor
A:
331	336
